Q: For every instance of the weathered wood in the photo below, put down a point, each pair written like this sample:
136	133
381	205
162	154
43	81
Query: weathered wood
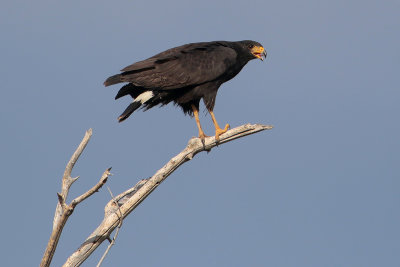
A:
131	198
63	210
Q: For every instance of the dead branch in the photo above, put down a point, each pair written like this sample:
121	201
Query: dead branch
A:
63	210
127	201
112	242
67	180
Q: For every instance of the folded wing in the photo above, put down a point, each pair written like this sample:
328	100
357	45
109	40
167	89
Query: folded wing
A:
180	67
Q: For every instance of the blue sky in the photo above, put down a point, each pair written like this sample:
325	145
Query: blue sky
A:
320	189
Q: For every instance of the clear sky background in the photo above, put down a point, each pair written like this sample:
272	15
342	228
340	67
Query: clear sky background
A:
320	189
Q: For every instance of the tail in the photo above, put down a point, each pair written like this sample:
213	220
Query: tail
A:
129	110
139	100
113	80
129	89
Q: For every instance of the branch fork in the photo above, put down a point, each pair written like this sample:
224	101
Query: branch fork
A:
64	210
123	204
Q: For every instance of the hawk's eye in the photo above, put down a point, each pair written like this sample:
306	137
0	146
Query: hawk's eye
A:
250	46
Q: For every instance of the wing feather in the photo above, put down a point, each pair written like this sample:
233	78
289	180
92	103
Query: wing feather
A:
181	66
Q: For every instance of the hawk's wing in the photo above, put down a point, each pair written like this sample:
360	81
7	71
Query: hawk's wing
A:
182	66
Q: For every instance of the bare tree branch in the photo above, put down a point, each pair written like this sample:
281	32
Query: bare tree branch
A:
67	180
94	189
63	210
112	242
131	198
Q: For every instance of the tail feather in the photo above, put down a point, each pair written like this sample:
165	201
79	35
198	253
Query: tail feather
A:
113	80
127	89
129	110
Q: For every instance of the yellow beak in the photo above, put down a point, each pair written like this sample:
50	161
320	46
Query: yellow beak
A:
259	52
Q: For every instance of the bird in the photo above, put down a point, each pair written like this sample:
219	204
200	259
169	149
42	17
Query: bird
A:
184	75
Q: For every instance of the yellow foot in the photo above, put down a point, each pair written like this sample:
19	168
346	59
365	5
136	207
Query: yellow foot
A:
219	131
202	137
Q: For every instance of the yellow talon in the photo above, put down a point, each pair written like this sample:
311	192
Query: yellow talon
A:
219	131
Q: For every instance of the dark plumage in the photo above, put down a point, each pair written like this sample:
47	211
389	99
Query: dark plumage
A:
184	75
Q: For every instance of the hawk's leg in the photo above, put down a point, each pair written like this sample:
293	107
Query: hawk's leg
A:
218	130
202	135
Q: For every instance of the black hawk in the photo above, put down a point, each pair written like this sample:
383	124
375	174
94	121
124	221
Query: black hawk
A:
184	75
